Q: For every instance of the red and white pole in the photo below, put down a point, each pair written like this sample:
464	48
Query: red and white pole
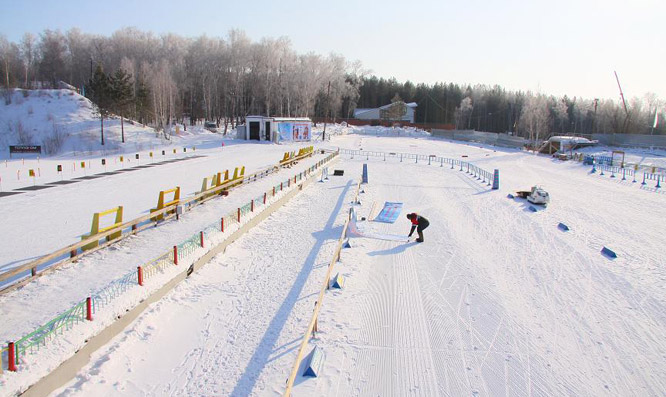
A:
239	215
89	309
201	234
175	255
140	275
222	225
264	198
11	357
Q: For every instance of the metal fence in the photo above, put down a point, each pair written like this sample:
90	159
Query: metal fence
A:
479	173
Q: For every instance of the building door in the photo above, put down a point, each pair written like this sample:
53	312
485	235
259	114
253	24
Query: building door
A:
254	130
267	137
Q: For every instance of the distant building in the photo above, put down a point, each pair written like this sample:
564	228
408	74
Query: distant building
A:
382	113
276	129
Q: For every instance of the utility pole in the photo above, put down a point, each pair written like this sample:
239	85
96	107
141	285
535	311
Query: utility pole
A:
328	107
594	122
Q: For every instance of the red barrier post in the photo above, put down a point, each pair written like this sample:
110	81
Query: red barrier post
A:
252	205
264	198
175	255
140	275
239	215
281	186
201	234
11	357
89	308
222	225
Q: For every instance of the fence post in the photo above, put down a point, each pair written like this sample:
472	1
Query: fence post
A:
222	225
140	275
239	215
33	271
11	357
89	308
643	179
658	185
175	254
264	198
273	191
252	205
201	238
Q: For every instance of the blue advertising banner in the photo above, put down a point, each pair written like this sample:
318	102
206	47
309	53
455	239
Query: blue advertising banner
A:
389	213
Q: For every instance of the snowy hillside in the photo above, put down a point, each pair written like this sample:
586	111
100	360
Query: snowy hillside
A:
63	123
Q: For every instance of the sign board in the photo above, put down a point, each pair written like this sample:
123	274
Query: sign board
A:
294	131
24	149
389	213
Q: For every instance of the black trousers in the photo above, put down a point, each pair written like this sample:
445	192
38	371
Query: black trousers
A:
420	228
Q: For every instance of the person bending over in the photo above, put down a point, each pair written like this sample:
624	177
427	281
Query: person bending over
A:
419	223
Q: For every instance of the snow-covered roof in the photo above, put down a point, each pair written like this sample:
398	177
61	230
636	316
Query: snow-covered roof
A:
409	105
278	119
291	119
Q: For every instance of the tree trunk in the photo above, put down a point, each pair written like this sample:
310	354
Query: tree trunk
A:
101	119
122	129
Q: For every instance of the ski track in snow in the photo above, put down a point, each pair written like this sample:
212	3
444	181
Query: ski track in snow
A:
496	302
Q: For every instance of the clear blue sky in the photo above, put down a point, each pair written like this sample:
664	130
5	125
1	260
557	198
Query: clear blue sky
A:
557	47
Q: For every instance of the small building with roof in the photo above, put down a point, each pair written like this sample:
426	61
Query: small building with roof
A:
385	112
276	129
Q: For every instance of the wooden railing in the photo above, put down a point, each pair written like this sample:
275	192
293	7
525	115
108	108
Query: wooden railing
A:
318	304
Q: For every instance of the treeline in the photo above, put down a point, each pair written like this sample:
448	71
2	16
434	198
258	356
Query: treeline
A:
494	109
177	79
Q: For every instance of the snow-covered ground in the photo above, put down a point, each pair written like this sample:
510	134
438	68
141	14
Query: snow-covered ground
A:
498	301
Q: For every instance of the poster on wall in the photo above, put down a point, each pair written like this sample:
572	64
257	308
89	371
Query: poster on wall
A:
294	132
285	131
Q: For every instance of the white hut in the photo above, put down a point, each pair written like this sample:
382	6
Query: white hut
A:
276	129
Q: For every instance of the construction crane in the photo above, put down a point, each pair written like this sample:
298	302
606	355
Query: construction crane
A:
626	112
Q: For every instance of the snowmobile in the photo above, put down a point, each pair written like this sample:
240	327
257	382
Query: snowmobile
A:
535	196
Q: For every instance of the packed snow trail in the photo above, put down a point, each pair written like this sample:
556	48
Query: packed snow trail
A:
232	328
37	223
498	301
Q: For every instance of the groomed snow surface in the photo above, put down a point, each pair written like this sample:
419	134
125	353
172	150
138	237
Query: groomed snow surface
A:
497	302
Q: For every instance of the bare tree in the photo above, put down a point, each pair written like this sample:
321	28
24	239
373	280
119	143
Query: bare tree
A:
535	118
28	48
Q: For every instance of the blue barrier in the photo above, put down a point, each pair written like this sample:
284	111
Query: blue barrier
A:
338	281
563	227
314	362
609	253
365	173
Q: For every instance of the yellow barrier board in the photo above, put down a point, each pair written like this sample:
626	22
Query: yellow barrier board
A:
161	203
95	229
